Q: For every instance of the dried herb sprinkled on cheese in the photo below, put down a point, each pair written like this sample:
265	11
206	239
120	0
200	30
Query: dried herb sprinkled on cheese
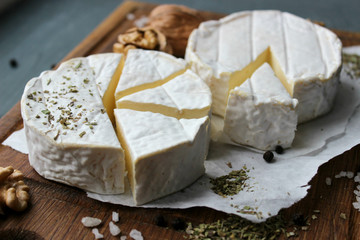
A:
231	184
46	111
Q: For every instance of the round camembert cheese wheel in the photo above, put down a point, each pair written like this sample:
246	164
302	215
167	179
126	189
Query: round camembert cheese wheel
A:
161	110
304	56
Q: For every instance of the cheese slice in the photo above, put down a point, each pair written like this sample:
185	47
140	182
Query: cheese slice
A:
163	123
147	69
260	113
164	154
304	56
70	137
185	96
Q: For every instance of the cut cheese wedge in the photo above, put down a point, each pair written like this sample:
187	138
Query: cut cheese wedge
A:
305	57
147	69
163	154
185	96
163	123
70	137
260	112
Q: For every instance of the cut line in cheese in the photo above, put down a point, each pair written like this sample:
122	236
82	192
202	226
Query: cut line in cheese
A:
147	69
185	96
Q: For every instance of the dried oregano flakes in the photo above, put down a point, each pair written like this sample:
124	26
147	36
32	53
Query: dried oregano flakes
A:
232	183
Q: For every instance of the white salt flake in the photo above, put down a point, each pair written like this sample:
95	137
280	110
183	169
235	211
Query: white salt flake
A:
141	22
96	233
358	187
350	174
114	230
358	199
136	235
123	238
115	216
342	174
356	205
357	193
337	176
357	178
130	16
90	221
328	181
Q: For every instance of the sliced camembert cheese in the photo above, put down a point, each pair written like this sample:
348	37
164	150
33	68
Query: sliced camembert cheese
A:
304	56
70	137
185	96
164	154
147	69
260	112
163	122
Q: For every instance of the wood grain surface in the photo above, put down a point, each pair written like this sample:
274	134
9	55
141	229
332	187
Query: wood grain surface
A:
56	210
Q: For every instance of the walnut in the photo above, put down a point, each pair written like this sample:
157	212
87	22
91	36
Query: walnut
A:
145	38
176	22
13	191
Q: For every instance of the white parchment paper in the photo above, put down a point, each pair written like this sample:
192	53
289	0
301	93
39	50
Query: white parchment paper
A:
274	186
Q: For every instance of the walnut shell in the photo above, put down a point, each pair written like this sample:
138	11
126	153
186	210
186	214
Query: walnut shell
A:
176	22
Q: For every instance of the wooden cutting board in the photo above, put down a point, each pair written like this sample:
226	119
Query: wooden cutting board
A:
56	210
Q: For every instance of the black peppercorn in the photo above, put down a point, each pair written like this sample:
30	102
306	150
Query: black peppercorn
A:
178	224
299	219
268	156
160	221
279	149
13	63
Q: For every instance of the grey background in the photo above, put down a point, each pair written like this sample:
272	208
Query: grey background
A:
39	33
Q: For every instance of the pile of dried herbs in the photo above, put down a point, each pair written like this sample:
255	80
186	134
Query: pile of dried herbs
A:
231	184
352	65
236	227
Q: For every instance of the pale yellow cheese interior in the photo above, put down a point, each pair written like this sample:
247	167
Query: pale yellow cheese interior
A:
142	87
109	98
164	110
239	77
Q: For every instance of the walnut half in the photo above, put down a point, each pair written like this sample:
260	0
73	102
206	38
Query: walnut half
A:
13	191
144	38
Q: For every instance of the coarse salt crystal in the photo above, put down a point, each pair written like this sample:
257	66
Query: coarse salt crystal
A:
136	235
90	221
356	205
350	174
114	230
357	178
337	176
357	193
328	181
342	173
358	187
123	238
115	216
96	233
